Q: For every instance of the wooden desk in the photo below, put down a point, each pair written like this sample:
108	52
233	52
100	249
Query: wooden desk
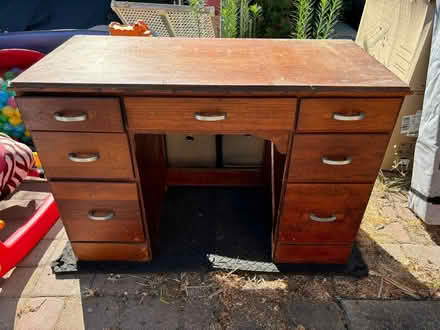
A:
99	107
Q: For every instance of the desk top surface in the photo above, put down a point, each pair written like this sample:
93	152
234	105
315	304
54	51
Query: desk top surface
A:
127	64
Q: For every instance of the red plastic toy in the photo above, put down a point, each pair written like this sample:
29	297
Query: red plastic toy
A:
23	240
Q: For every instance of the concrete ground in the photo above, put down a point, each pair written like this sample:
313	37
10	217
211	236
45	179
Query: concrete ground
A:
402	291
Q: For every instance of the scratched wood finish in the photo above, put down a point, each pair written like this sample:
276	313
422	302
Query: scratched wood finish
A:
346	202
178	114
114	155
122	64
312	254
103	114
88	251
76	199
316	115
365	150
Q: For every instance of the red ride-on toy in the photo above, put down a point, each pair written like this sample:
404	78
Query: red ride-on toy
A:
16	160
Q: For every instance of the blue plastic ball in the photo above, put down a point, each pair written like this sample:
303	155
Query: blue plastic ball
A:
8	128
3	98
19	130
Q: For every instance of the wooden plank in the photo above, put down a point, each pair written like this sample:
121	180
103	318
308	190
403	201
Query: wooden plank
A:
149	154
214	177
225	64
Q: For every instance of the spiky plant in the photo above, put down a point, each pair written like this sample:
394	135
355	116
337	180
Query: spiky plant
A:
331	17
244	18
302	19
256	12
229	17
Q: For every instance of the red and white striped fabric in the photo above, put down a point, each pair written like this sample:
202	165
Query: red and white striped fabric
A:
16	160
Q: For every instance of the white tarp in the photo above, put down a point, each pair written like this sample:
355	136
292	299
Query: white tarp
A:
424	197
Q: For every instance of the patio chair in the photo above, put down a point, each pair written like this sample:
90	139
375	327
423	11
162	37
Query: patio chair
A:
168	20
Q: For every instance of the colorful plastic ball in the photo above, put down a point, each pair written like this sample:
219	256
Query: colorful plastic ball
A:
10	75
11	93
26	139
2	224
12	103
17	71
3	118
27	133
9	111
19	129
8	128
15	121
3	98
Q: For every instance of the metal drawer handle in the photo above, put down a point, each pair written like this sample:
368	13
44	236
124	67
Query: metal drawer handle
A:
210	116
59	116
108	215
314	217
78	157
328	161
354	117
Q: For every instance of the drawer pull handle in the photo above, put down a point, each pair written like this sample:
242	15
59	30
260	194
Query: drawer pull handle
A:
210	116
314	217
354	117
332	162
59	116
83	157
108	215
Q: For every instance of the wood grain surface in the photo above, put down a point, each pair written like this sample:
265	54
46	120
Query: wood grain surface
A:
366	151
103	113
111	251
316	115
312	254
76	199
160	114
126	63
114	155
347	202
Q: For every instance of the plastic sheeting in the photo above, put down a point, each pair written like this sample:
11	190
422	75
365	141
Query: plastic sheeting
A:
424	197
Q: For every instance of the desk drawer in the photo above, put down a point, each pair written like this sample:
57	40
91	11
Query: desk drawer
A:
348	115
111	251
219	115
82	114
336	157
312	254
99	211
323	213
84	155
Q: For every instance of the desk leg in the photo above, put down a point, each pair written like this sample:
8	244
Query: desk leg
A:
150	167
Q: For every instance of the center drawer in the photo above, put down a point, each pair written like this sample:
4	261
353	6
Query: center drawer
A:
84	155
99	211
323	213
214	115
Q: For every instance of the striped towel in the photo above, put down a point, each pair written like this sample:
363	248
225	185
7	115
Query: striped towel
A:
16	160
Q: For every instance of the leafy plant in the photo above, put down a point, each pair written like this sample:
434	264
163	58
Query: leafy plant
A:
275	21
255	14
315	20
229	17
244	18
302	19
239	18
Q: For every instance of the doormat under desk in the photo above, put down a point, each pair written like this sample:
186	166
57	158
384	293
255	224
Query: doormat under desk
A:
204	229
